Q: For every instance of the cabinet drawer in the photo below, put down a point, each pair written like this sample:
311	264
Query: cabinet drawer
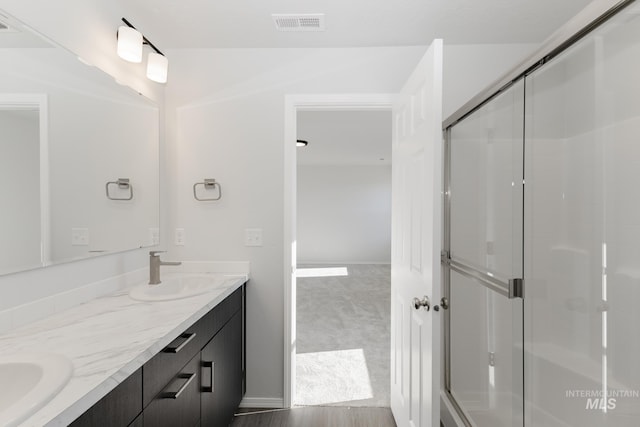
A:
178	403
224	311
161	369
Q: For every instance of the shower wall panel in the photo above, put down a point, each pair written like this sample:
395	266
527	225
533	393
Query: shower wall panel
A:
582	232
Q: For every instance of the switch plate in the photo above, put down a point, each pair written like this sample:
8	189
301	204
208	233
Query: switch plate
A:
180	237
253	237
154	236
79	237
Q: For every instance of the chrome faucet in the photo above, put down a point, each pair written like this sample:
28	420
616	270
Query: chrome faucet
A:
154	266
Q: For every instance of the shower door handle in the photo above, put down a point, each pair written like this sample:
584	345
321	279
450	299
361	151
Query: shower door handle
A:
424	302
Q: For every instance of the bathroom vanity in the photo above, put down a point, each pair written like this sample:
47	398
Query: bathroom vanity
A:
144	363
197	378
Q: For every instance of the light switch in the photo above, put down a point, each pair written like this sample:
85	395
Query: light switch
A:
180	237
253	237
154	236
79	237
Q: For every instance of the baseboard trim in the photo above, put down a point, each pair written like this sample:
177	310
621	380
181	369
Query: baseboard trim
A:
262	402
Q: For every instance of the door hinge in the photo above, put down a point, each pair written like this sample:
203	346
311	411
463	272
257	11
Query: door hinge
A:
516	288
492	358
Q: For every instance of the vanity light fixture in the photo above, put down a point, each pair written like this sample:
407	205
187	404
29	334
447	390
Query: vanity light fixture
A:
301	143
157	66
130	43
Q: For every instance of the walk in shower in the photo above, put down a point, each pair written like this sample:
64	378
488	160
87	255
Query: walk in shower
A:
542	238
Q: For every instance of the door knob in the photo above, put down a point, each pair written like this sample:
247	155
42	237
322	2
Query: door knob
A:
424	302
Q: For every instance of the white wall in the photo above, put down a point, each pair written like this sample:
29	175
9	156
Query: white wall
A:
89	31
225	118
468	69
344	214
229	125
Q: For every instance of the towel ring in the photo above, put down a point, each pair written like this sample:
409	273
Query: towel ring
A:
208	184
122	183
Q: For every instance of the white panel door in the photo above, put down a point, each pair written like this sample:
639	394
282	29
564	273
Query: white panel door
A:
415	259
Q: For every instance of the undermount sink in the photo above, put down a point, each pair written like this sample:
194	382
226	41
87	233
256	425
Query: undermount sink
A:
180	286
29	381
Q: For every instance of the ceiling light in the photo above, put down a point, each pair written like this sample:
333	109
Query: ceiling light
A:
301	143
129	44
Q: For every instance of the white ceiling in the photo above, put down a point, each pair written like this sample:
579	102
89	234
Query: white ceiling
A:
344	137
347	137
350	23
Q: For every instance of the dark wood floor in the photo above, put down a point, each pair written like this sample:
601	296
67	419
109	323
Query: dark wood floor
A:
316	416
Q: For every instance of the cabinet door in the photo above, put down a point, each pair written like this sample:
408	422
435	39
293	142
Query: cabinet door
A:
178	404
222	374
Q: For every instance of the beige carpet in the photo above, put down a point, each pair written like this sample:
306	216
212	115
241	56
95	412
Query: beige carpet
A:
343	335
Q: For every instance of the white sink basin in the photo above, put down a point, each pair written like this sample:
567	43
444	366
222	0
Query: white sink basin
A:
180	286
29	381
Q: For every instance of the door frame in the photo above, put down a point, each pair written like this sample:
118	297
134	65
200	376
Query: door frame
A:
39	102
293	104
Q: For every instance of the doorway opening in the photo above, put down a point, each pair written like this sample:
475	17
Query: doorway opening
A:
320	272
24	158
343	258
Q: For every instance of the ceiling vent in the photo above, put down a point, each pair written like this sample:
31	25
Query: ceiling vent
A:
299	22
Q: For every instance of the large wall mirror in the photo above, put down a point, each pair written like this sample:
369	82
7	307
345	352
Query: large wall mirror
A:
78	157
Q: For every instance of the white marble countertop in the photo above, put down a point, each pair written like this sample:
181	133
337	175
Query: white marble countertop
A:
106	339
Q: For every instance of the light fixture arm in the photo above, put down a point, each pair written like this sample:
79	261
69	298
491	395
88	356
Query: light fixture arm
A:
144	39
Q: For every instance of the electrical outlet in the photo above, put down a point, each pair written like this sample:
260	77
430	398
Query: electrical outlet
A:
79	237
253	237
180	237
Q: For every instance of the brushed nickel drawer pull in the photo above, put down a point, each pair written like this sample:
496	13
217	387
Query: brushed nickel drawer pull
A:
187	338
208	365
176	394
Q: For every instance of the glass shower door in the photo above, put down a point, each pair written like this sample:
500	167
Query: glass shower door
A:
484	372
582	232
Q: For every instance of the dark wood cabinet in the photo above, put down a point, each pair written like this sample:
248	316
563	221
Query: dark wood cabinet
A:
178	403
121	405
138	422
198	379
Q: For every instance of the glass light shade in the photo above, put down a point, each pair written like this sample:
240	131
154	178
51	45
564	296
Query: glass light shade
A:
129	44
157	66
